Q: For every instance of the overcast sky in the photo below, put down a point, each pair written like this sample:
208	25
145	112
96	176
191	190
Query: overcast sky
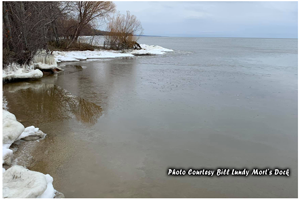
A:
215	19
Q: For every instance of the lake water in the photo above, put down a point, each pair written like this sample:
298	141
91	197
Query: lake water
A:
115	126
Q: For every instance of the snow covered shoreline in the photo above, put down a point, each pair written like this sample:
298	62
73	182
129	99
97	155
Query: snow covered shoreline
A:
15	71
65	56
42	61
19	182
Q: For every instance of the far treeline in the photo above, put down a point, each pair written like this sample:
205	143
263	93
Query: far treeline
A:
32	26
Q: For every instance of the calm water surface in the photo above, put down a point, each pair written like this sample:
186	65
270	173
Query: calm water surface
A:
114	126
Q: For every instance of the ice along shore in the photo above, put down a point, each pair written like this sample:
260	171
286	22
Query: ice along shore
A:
43	62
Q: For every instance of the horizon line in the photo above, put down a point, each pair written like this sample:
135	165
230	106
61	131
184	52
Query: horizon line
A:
221	37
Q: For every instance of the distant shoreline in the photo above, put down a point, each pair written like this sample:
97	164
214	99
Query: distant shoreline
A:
178	36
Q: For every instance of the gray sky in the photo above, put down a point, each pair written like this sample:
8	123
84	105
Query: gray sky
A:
215	19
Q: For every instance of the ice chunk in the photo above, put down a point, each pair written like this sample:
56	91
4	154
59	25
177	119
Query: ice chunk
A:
8	115
7	154
31	133
12	129
50	191
46	60
19	182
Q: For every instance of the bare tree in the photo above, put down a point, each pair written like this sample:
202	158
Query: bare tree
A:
58	11
27	28
66	27
124	31
87	11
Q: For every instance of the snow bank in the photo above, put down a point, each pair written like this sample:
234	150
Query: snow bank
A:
19	182
15	71
74	56
31	133
45	61
64	56
151	50
41	61
22	74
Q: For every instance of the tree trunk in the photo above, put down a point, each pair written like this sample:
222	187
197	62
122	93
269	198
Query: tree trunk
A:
74	38
8	27
23	25
55	32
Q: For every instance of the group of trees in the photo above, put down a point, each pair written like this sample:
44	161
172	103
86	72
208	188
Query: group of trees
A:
26	28
31	26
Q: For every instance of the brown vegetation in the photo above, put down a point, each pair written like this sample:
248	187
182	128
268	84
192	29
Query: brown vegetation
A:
63	45
27	26
31	26
124	31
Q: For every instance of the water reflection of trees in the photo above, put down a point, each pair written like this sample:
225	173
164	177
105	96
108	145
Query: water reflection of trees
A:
49	102
87	112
